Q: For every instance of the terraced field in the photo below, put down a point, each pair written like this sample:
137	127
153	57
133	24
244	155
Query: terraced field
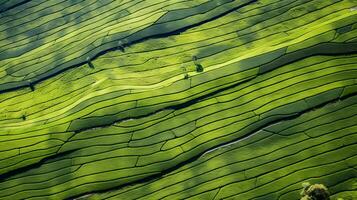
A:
177	99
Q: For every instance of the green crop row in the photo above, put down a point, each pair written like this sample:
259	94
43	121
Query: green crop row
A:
318	147
138	148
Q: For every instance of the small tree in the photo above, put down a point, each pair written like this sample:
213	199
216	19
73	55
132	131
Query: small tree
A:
314	192
199	67
120	46
90	62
